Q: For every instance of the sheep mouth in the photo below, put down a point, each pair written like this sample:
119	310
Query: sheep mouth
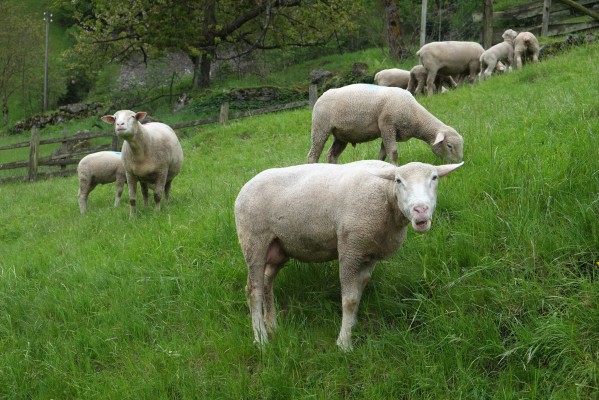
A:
421	225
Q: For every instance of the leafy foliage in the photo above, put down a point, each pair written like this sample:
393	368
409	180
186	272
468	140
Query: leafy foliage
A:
206	31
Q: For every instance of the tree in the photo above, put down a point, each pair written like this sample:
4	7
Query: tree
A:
21	53
207	30
393	28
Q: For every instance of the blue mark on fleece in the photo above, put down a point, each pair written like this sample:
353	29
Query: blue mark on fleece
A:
118	153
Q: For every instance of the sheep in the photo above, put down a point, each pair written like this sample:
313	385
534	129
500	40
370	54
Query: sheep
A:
417	82
449	58
503	51
100	168
392	77
152	155
357	213
361	112
526	47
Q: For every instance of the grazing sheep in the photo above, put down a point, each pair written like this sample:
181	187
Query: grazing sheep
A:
392	77
526	47
417	82
360	113
152	155
100	168
357	213
503	51
450	58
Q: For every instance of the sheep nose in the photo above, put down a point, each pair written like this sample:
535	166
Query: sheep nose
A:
420	209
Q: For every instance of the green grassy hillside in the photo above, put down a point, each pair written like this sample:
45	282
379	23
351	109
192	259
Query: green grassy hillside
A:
499	300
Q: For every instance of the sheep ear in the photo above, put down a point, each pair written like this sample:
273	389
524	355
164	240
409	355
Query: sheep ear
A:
388	174
109	119
440	137
443	170
140	115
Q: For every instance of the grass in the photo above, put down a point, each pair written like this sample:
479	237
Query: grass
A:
498	301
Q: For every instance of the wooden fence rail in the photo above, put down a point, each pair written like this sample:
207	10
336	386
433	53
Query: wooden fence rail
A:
71	156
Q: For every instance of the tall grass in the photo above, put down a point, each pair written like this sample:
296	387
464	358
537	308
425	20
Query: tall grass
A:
499	300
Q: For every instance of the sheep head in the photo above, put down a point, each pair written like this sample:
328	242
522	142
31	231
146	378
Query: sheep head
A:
448	145
509	35
416	190
125	122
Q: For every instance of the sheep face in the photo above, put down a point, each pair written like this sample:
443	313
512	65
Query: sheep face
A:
125	122
449	145
509	35
416	191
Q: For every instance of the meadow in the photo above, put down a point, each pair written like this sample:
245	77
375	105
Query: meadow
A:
499	300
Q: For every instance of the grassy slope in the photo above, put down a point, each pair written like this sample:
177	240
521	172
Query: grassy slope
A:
498	300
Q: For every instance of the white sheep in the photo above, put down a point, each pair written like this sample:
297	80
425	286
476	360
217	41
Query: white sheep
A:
450	58
100	168
152	155
392	77
360	113
503	51
526	47
358	213
417	82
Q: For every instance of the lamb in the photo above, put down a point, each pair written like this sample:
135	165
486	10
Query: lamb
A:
417	82
526	47
360	113
503	51
450	58
152	155
100	168
357	213
392	77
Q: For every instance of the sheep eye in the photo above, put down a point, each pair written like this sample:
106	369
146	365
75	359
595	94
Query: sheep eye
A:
435	177
397	180
449	146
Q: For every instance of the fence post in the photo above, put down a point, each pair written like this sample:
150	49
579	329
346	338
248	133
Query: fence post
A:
64	146
34	146
223	118
313	95
546	9
115	142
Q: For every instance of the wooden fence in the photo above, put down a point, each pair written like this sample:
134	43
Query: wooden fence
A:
546	18
71	155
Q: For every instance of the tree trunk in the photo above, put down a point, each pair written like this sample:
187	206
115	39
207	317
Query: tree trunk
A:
397	47
5	109
487	23
203	63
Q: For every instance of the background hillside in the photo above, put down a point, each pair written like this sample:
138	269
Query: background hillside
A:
498	301
147	80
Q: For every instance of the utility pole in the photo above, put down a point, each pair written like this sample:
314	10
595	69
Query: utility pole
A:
48	19
423	23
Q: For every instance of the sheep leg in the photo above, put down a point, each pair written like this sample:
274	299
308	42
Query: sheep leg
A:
167	191
474	69
335	151
275	259
420	86
382	152
388	135
120	183
319	138
132	184
144	192
430	82
159	190
488	71
85	189
254	292
354	276
269	308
